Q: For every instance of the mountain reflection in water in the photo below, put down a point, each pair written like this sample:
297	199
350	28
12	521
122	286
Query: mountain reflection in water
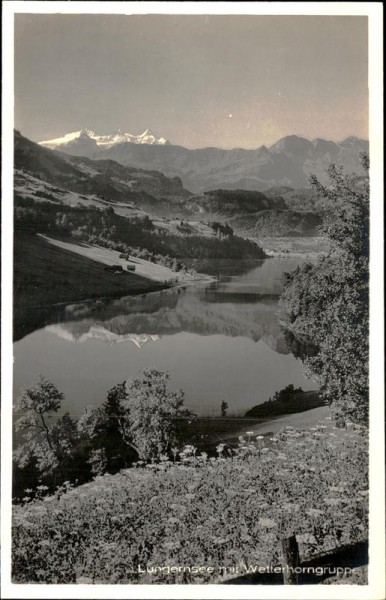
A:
176	311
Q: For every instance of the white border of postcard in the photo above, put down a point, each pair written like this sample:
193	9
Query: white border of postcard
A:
376	586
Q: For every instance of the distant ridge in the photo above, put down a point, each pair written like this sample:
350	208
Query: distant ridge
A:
289	162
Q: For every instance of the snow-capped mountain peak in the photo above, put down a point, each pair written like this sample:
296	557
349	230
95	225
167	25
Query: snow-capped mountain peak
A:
86	133
107	140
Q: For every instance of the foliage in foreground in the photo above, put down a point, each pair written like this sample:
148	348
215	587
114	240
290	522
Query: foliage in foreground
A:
215	512
142	413
140	418
328	303
48	445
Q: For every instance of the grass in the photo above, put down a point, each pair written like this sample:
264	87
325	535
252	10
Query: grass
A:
106	256
208	512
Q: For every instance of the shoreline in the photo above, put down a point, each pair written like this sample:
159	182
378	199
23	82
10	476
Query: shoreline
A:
306	247
106	256
162	278
300	420
207	432
83	278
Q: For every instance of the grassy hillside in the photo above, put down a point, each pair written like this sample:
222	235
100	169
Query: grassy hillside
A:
199	511
45	275
106	228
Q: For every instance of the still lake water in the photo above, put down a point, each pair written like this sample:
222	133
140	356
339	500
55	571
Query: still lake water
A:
219	341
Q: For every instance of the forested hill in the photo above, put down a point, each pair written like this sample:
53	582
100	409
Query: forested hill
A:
233	202
288	401
257	214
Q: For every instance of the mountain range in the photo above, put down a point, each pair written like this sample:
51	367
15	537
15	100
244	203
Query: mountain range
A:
44	174
87	136
47	175
280	210
288	162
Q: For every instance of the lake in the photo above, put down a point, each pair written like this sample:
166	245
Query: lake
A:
219	341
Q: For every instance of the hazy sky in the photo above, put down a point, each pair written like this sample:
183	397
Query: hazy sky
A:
236	81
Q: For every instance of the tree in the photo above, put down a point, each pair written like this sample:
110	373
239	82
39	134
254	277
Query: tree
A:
47	446
327	303
112	432
152	412
221	229
104	432
139	419
227	229
224	408
287	393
